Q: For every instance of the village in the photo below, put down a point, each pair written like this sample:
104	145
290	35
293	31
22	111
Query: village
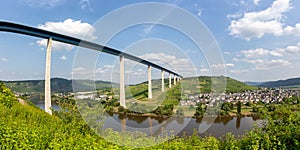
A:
263	95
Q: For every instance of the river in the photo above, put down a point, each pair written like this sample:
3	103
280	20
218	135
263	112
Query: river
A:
181	126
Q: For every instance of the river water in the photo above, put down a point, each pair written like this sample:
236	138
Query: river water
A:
216	127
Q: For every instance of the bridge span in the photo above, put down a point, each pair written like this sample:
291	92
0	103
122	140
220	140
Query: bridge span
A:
52	36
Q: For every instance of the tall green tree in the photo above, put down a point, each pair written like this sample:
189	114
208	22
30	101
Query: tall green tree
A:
199	110
239	107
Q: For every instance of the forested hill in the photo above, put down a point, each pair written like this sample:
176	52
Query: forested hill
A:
57	85
205	83
281	83
64	85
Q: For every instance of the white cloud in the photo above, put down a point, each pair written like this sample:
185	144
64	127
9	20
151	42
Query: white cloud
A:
220	66
227	53
204	71
238	71
63	58
265	64
256	2
83	73
44	3
293	50
255	53
3	60
181	65
235	59
289	30
257	24
68	27
237	15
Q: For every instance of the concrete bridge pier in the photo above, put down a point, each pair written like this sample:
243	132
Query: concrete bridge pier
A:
174	80
47	77
162	80
149	83
122	83
170	80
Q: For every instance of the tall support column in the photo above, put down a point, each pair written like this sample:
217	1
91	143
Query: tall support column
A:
149	83
122	83
162	80
174	80
47	78
170	80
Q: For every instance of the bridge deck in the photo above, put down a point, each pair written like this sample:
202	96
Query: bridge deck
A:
31	31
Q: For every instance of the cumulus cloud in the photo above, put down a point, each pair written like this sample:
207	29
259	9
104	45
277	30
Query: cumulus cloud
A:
69	27
63	58
254	53
238	71
292	50
257	24
237	15
219	66
181	65
256	2
265	64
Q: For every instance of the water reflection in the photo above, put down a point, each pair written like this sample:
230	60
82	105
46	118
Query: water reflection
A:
238	122
156	126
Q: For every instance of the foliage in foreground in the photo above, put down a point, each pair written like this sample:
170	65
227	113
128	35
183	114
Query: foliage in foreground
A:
26	127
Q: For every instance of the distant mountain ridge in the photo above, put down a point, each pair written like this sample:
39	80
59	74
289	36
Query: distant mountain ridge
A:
281	83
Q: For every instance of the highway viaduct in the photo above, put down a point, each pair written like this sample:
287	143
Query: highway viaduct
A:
52	36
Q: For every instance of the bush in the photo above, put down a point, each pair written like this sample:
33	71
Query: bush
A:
7	98
254	109
164	110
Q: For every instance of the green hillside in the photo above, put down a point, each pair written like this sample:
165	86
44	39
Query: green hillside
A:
57	85
185	88
207	84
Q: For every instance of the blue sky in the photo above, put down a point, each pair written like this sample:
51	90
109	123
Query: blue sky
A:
259	39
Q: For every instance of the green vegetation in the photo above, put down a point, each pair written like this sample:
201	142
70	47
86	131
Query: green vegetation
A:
203	84
199	110
239	107
57	85
27	127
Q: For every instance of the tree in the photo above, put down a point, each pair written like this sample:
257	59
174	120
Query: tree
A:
239	107
226	106
199	110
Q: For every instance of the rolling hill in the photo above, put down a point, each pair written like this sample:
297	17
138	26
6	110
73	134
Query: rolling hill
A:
57	85
205	84
292	82
195	84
